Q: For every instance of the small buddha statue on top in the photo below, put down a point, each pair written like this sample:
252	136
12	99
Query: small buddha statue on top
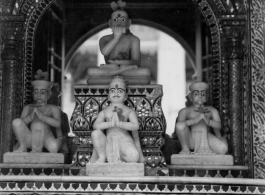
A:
121	49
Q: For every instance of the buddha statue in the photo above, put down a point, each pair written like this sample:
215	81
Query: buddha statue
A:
117	145
33	128
121	51
194	122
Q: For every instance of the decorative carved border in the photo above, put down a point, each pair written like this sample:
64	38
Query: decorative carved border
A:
257	14
33	10
247	141
136	187
219	6
210	17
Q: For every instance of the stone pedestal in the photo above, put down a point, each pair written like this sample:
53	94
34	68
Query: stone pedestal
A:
200	159
115	169
33	158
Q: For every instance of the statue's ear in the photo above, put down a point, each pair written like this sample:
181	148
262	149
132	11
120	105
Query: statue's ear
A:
49	93
129	23
190	96
110	23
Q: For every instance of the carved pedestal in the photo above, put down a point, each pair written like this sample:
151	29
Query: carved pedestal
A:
33	158
145	99
115	169
202	159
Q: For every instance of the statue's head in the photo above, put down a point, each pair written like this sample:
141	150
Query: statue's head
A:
117	90
41	87
198	92
119	17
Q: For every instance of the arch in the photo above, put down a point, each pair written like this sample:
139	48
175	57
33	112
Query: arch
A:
79	42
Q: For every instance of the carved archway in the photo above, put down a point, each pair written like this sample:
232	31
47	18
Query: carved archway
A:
33	10
37	9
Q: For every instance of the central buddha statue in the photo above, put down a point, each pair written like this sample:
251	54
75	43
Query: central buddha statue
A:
121	51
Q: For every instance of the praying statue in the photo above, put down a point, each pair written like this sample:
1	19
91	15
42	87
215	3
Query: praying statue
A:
121	49
33	128
120	142
194	123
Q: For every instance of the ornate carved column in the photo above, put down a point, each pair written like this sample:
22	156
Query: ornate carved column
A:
234	34
11	103
257	52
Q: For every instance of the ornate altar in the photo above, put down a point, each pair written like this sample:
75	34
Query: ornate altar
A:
144	99
236	78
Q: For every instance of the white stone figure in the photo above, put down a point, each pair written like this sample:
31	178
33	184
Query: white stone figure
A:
194	122
32	129
118	120
121	49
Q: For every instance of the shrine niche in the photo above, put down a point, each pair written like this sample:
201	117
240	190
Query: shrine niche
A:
230	90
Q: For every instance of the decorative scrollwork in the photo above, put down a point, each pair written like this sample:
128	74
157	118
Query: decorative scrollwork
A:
91	109
83	141
80	123
154	124
83	158
152	141
155	161
144	108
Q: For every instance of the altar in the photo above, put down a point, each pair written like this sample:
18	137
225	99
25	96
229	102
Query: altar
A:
223	42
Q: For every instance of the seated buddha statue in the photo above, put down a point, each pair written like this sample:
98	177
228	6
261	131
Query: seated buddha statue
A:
121	51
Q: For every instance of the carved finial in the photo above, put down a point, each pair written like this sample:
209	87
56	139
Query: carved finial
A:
41	75
118	5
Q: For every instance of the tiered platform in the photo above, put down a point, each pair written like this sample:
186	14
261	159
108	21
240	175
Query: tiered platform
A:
208	171
61	179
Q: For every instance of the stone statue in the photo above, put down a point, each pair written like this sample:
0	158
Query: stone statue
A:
121	49
194	122
33	128
118	120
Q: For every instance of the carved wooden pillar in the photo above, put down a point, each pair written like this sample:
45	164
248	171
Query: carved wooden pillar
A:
11	102
234	33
